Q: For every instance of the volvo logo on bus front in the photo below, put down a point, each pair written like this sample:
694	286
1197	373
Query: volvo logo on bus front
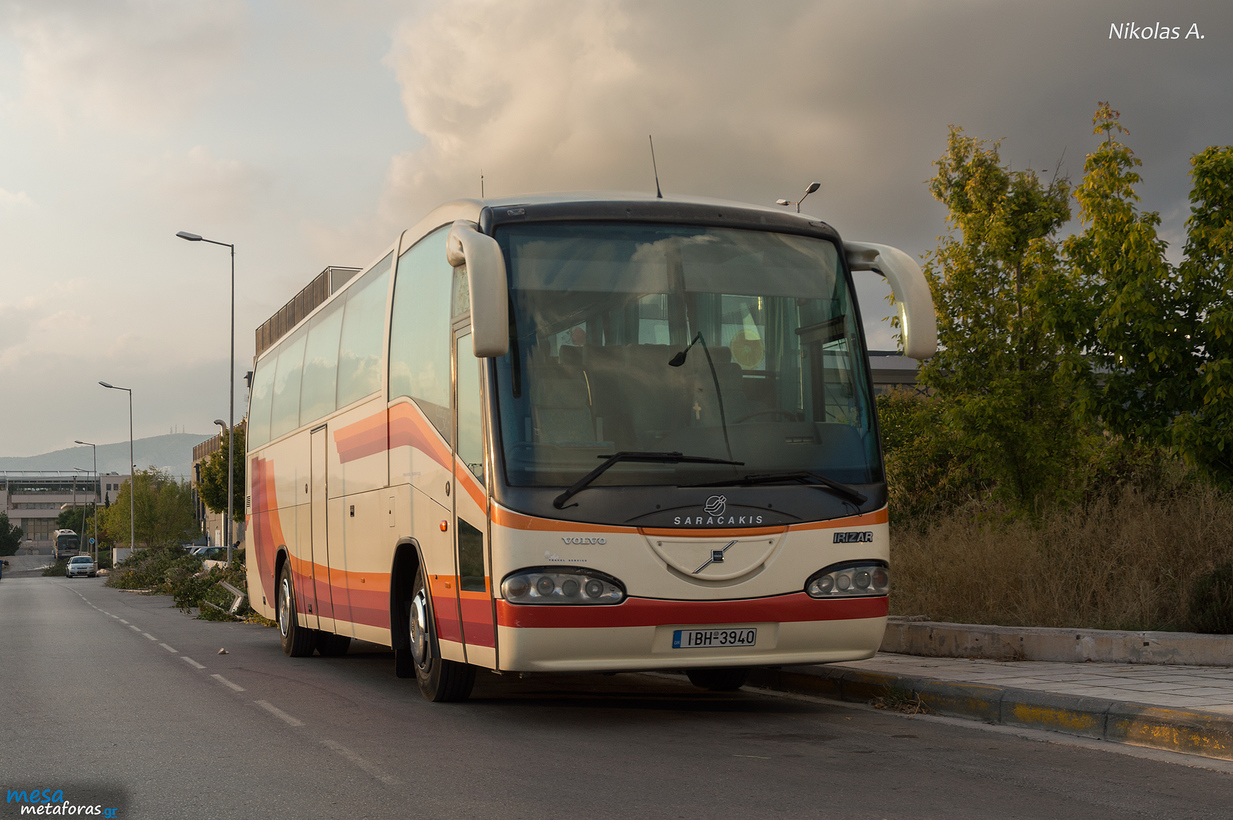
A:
574	539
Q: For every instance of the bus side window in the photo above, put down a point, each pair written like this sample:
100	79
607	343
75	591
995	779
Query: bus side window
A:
285	408
359	352
420	330
470	412
259	407
317	392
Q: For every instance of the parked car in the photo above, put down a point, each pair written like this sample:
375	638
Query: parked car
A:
81	565
211	553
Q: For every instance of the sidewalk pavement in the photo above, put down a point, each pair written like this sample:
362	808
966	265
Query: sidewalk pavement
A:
1174	707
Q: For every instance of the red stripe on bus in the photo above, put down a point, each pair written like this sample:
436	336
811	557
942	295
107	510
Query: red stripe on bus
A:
409	428
647	612
365	437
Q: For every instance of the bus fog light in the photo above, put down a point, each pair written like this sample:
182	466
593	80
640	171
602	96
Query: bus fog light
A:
561	585
850	579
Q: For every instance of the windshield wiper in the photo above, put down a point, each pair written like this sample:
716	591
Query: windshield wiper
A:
651	458
820	481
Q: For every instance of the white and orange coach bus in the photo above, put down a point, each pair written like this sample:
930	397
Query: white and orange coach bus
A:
581	433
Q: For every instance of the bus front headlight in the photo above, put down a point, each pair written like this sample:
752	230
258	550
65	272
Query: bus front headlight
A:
561	585
850	579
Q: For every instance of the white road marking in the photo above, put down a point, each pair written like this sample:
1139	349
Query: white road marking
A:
148	635
279	713
168	648
227	683
372	769
134	628
121	620
191	662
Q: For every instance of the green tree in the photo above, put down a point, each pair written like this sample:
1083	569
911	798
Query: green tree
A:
10	535
1204	432
1124	308
1152	343
212	487
996	374
163	510
74	519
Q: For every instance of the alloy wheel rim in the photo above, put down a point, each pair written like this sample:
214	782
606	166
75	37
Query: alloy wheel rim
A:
419	629
284	606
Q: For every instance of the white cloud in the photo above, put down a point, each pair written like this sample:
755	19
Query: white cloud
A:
127	65
203	186
11	202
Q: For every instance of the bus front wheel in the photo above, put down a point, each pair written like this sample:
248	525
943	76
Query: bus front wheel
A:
440	681
298	641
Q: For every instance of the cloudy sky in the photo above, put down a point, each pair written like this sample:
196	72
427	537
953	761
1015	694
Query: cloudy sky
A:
310	132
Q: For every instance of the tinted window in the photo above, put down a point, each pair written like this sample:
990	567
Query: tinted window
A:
285	407
318	392
259	404
420	330
359	355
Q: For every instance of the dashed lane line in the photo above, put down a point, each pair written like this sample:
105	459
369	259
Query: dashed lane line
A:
191	662
235	687
168	648
372	769
279	713
148	635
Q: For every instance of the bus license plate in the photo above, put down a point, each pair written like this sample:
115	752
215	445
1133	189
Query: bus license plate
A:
708	638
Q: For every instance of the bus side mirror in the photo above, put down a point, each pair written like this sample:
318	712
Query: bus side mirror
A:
486	282
917	323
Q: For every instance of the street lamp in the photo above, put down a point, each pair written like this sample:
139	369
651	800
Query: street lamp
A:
192	237
132	477
97	492
813	186
227	525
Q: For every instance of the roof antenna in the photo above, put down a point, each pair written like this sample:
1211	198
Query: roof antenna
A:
658	193
481	183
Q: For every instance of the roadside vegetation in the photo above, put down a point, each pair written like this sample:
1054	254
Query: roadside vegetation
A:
1072	465
192	585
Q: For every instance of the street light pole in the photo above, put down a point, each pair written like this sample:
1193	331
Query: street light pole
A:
132	471
192	237
227	523
813	186
97	491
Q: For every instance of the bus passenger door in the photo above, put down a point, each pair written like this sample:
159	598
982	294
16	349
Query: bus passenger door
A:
475	604
319	553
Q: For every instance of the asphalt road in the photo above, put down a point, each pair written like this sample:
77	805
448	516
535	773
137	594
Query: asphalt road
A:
123	702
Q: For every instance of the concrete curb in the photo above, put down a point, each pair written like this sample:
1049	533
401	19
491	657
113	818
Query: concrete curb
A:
1174	730
1004	643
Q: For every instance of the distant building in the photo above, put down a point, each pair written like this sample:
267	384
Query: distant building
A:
33	499
892	370
211	523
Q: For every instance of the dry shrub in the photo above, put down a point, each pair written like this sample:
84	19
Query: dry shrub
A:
1123	560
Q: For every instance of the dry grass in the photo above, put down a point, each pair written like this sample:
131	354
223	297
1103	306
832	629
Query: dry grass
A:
1124	561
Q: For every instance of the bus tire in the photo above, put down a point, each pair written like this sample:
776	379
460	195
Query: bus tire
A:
330	645
719	679
298	641
440	681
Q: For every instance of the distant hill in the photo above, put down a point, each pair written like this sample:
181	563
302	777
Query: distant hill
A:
172	452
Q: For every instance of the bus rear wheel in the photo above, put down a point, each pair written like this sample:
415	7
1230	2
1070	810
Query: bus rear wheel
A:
298	641
440	681
720	679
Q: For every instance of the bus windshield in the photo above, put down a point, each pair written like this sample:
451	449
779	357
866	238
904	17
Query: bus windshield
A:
718	344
